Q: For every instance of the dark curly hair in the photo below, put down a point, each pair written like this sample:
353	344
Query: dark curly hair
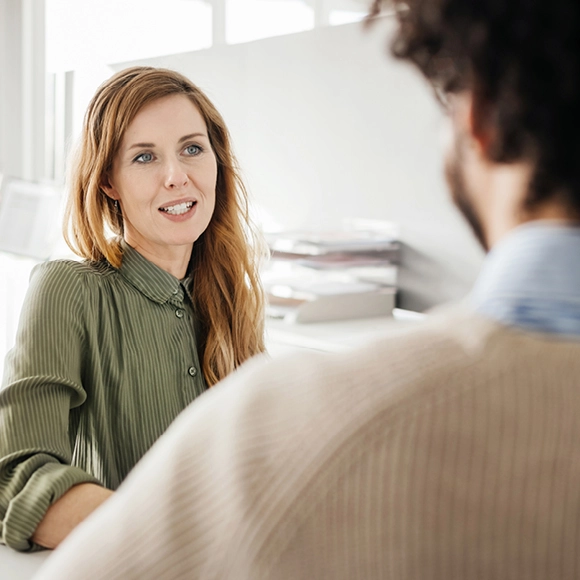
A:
521	60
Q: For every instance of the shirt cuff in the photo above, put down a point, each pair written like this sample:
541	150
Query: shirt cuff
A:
28	508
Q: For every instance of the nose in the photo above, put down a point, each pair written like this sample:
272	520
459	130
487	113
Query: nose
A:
175	176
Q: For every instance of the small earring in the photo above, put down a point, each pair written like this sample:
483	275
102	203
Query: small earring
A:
116	205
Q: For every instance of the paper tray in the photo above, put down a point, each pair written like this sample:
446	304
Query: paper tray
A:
338	307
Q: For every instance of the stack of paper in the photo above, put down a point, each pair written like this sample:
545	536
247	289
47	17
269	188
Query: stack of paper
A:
333	275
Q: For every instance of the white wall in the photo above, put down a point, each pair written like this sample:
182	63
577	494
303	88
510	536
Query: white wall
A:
326	126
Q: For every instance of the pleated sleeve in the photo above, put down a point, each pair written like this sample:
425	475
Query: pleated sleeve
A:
41	385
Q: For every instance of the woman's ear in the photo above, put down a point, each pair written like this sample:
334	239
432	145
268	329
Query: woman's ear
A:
109	188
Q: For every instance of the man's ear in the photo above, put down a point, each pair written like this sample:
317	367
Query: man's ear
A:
469	121
479	123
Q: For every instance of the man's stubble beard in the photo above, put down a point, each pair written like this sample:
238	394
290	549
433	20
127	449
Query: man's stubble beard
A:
455	175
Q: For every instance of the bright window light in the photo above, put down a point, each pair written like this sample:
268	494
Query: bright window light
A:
97	32
338	17
248	20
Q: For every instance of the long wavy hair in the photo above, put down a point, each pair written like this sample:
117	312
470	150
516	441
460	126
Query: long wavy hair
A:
227	294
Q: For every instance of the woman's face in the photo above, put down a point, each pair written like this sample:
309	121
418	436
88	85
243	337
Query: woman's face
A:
164	178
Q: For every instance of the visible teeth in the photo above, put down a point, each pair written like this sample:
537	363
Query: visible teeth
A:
178	209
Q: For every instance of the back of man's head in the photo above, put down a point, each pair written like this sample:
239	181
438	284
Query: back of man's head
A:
520	59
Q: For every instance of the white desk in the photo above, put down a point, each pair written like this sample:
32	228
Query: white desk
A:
281	338
17	566
335	336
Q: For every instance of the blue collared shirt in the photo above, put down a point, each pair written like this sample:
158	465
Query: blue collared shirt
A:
531	279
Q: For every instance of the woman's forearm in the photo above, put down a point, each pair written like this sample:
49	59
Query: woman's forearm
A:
68	512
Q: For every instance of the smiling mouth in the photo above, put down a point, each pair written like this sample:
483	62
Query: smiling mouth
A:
179	208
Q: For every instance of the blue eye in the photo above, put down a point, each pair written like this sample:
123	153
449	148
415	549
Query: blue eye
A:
193	150
144	158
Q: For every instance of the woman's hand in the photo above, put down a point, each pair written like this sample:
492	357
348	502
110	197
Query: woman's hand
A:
68	512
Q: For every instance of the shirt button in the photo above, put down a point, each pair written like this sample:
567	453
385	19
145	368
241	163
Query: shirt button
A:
175	292
192	371
179	313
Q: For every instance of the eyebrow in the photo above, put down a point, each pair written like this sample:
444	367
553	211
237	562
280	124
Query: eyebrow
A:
182	140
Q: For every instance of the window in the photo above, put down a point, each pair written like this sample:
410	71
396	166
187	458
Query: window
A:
248	20
99	32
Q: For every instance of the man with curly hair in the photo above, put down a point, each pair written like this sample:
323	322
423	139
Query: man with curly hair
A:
450	450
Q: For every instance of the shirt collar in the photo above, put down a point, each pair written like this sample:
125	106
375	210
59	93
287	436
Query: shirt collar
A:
152	281
531	278
188	284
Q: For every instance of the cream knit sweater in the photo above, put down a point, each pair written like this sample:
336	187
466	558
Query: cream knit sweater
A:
450	450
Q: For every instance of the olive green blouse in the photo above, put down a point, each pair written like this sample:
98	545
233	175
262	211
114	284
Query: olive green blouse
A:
104	361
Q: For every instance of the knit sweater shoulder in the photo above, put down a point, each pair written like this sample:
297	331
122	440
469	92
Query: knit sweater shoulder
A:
447	450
